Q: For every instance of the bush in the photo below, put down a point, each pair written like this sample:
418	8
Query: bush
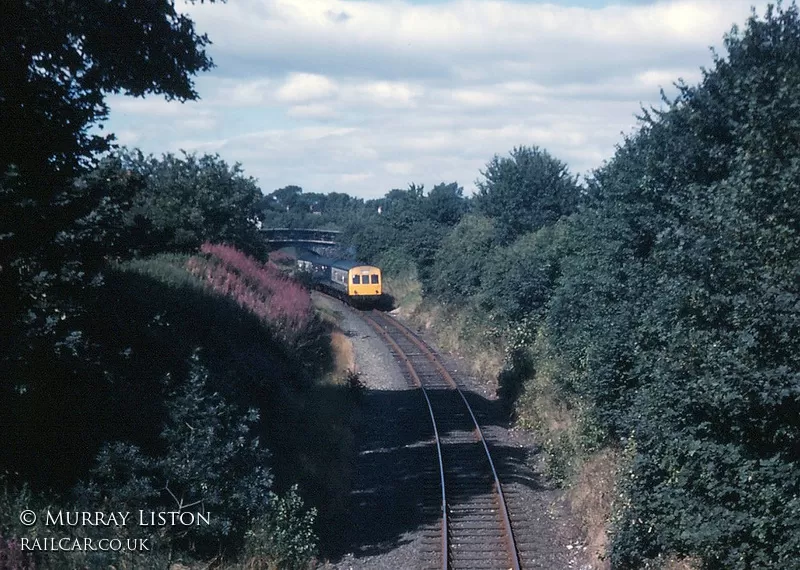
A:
518	280
284	538
679	313
212	463
461	258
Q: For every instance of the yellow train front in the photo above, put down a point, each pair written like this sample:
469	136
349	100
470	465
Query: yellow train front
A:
350	280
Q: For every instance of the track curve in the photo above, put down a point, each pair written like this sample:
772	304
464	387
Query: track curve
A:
476	529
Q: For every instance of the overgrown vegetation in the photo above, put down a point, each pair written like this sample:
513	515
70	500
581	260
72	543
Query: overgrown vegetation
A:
649	316
143	365
645	324
198	383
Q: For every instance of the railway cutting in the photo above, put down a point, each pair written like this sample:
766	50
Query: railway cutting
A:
475	529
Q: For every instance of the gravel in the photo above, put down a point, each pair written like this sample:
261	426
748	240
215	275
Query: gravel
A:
388	525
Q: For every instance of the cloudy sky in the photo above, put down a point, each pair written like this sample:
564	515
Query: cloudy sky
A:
363	96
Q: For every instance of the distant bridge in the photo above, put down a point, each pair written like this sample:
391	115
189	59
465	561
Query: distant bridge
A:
289	236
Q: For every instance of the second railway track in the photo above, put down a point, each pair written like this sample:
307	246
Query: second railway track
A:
476	530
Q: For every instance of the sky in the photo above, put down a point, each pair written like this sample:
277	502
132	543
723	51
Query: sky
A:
363	96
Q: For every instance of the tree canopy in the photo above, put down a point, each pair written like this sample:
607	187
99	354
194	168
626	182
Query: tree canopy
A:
526	191
61	57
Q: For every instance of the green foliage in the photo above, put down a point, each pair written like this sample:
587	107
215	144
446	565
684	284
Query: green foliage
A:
284	538
525	192
290	207
59	63
185	201
519	279
212	463
94	363
678	314
460	261
445	204
395	262
409	221
669	301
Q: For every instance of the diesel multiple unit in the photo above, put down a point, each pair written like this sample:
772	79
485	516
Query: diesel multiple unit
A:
349	280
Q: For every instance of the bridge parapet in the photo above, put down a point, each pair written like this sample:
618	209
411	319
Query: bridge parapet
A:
301	235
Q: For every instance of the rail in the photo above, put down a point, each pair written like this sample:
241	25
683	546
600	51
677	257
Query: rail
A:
382	324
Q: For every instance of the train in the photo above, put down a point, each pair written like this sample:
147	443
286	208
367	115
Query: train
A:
352	281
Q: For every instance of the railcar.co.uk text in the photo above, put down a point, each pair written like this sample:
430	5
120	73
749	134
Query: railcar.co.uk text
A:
140	518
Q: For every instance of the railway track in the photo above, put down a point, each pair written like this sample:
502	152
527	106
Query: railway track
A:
475	530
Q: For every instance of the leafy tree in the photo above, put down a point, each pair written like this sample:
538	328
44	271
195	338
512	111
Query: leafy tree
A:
285	199
291	207
445	204
59	60
460	261
518	280
212	462
185	201
679	313
371	235
526	191
403	208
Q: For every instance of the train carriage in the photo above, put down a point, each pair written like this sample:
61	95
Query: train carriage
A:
351	280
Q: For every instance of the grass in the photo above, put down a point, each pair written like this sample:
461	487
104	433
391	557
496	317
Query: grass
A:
405	289
592	495
344	359
461	331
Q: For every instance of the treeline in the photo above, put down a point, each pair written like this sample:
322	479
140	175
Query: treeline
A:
655	308
148	368
149	359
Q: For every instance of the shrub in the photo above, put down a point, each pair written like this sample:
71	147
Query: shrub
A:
518	280
461	259
212	463
284	538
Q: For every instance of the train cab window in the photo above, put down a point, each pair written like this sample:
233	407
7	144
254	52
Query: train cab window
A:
374	279
356	279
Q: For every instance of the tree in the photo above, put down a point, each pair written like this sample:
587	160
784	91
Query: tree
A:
519	279
187	200
445	204
211	459
58	60
680	318
529	190
460	261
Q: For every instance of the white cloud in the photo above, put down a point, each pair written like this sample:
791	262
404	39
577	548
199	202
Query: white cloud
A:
389	93
245	93
364	96
301	87
127	137
203	122
151	106
313	110
404	168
